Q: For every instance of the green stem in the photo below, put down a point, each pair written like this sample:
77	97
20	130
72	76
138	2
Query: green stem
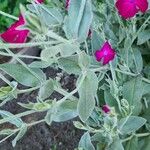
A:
5	80
18	55
132	74
115	86
74	91
32	44
28	90
35	123
56	37
137	135
7	119
23	64
8	15
142	134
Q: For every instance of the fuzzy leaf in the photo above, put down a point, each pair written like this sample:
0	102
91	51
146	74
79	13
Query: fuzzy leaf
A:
87	93
22	75
132	92
21	133
46	90
85	142
131	124
70	64
79	19
16	121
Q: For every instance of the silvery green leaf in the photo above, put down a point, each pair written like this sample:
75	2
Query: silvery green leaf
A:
70	64
138	60
144	143
50	16
39	106
46	90
39	64
132	92
84	60
116	144
68	49
85	142
79	19
66	111
130	124
87	94
97	41
22	75
132	144
16	121
79	125
143	37
21	133
48	53
6	132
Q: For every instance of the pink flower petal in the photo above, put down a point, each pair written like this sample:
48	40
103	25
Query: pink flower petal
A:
126	8
14	34
40	1
105	54
142	5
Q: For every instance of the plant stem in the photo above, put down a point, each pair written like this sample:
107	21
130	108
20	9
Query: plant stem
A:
115	86
74	91
18	55
32	44
137	135
7	119
132	74
5	80
8	15
142	134
28	90
35	123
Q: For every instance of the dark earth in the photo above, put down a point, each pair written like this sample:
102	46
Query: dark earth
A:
58	136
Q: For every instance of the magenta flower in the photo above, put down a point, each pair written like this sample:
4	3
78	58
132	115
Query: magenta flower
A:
40	1
106	109
129	8
14	34
67	4
106	53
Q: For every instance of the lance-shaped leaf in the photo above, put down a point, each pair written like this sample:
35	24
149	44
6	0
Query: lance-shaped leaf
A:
16	121
23	75
85	142
50	16
79	19
130	124
87	93
21	133
132	92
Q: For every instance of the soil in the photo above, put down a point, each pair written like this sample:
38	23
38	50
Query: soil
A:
58	136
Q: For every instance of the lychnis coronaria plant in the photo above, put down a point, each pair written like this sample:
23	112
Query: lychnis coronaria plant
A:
105	45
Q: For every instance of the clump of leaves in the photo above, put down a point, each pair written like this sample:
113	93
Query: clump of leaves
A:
113	87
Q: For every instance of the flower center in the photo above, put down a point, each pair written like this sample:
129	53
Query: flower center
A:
105	53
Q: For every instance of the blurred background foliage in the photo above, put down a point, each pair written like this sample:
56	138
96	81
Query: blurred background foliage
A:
10	7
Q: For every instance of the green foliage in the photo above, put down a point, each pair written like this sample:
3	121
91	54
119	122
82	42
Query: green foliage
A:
10	8
62	35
